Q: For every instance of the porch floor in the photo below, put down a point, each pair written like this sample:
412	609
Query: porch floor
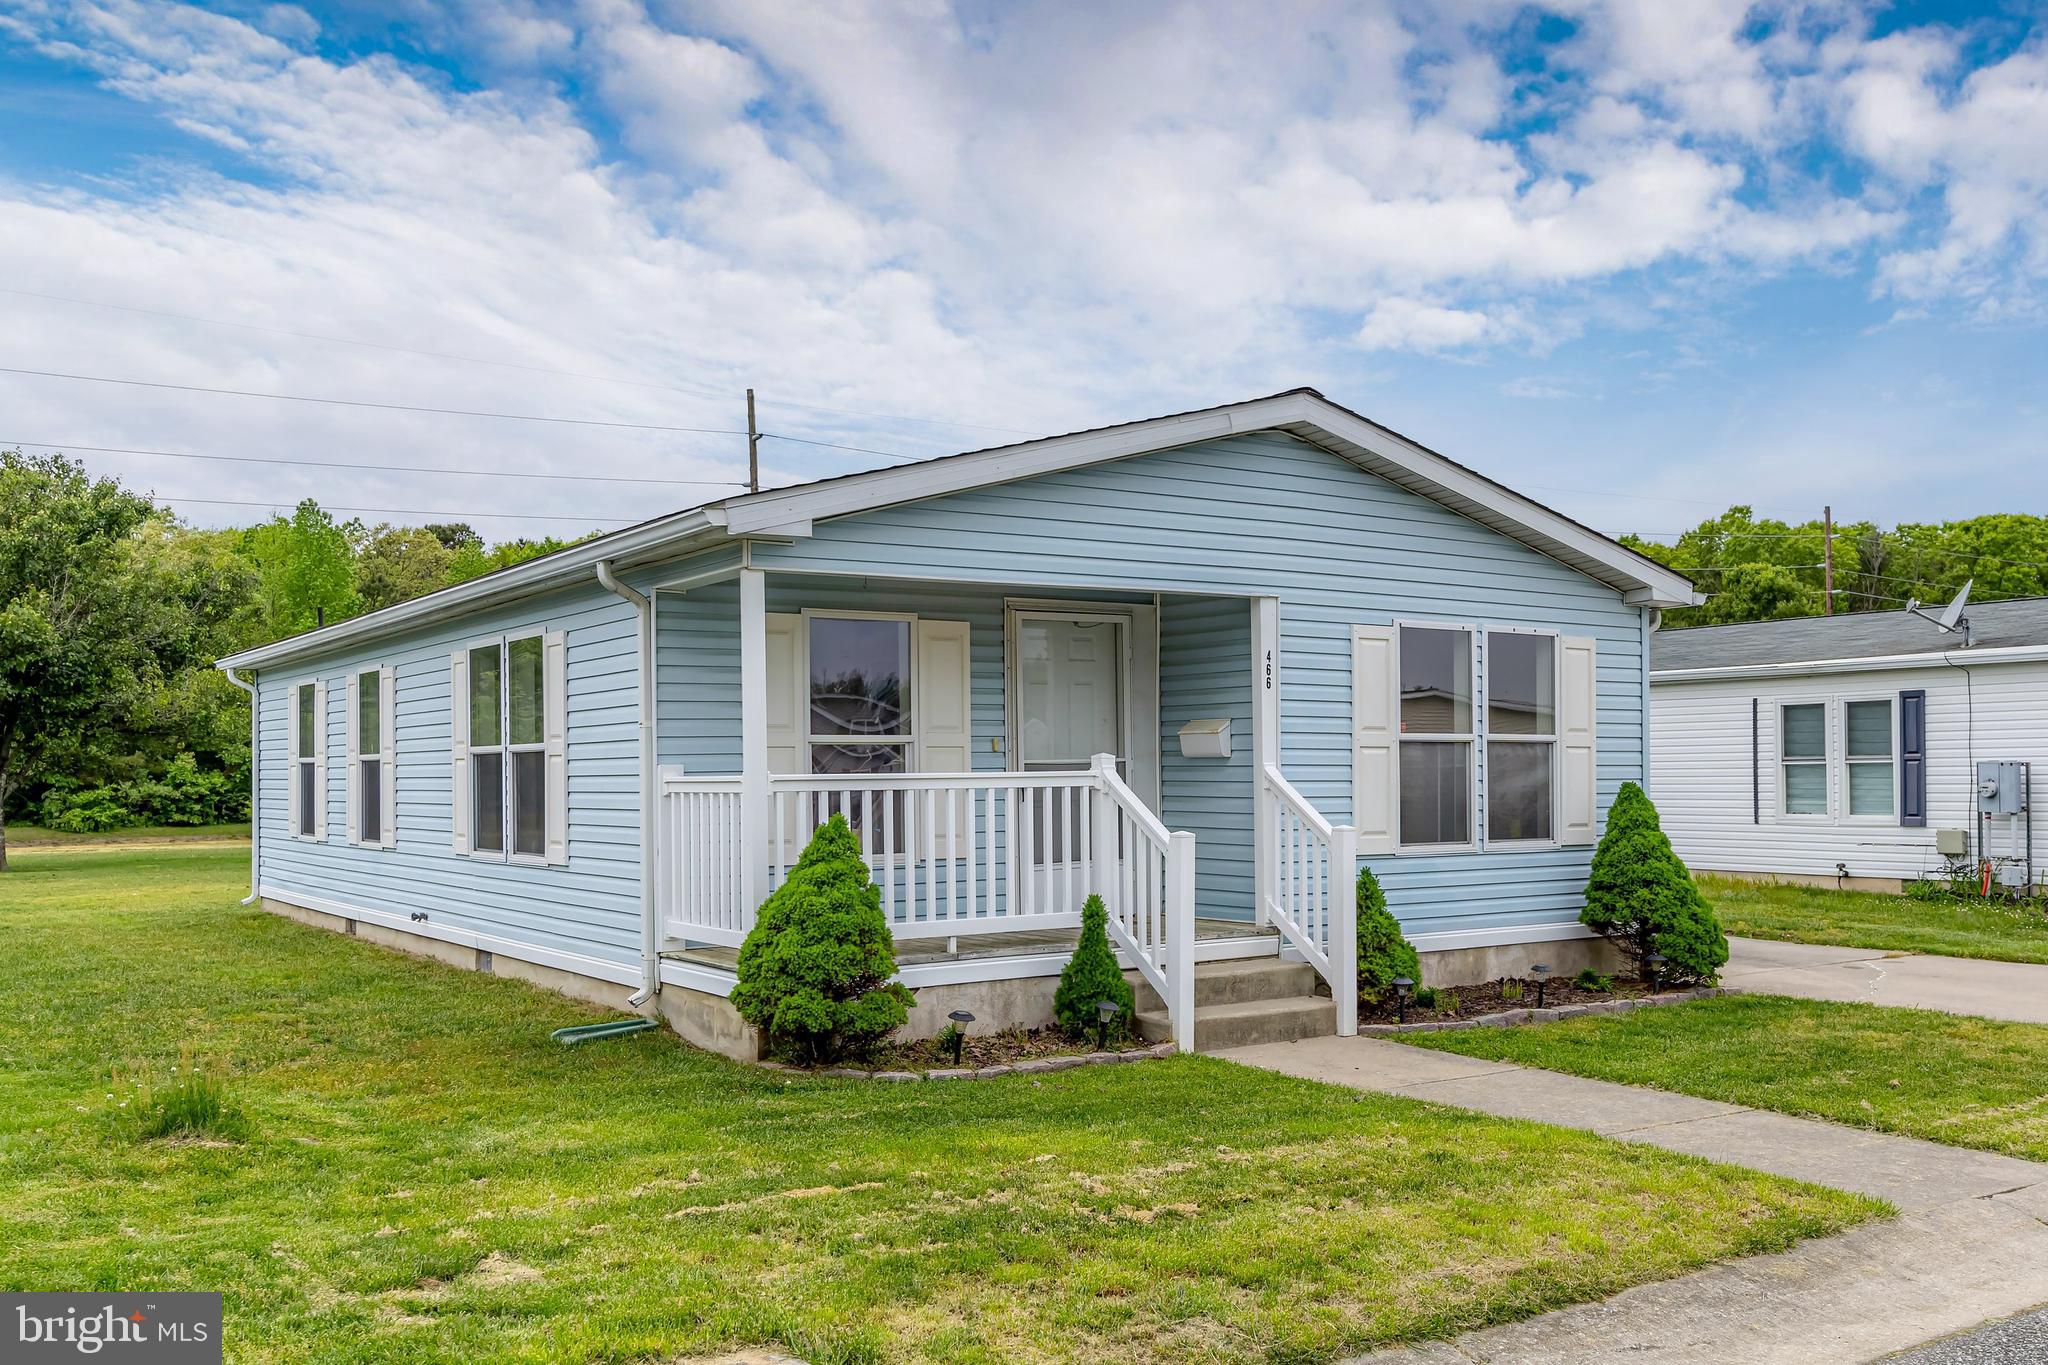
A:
919	951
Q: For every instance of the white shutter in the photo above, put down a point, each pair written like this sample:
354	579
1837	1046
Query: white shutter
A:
1375	737
556	654
458	747
352	774
1578	761
387	749
943	719
320	760
788	710
291	760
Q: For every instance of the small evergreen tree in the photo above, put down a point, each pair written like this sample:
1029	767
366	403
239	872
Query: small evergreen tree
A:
1642	899
815	972
1383	953
1092	976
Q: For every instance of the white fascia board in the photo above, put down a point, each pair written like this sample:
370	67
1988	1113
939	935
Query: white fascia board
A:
1966	658
1648	584
671	533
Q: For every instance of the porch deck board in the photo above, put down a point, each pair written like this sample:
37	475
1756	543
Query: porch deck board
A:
917	951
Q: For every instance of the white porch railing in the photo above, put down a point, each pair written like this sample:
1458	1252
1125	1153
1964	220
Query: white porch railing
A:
952	854
1309	894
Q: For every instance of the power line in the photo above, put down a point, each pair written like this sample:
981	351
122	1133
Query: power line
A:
386	468
693	390
834	445
364	403
397	511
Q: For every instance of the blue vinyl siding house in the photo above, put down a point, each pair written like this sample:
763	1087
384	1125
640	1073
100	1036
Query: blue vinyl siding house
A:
1203	665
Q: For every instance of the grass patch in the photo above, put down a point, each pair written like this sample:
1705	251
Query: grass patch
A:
192	1104
426	1177
35	836
1950	1078
1865	919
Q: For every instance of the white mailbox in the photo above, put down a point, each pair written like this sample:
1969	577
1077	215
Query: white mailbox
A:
1206	738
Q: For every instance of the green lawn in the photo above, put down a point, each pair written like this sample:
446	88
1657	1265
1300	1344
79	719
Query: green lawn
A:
1863	919
35	836
1950	1078
429	1178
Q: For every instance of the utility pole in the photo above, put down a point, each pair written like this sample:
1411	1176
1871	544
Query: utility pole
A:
1827	523
753	448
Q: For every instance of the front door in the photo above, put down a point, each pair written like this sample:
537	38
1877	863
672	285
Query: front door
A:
1072	701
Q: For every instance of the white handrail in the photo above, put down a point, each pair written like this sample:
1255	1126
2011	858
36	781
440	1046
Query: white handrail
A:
1151	902
1307	889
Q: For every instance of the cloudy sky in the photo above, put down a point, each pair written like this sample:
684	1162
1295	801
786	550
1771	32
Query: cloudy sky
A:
1639	260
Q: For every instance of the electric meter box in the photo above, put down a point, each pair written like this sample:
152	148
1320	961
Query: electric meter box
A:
2001	787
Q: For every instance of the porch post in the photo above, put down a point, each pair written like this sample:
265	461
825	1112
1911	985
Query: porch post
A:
753	742
1265	743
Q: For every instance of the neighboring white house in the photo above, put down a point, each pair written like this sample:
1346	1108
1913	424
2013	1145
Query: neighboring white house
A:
1838	748
1202	665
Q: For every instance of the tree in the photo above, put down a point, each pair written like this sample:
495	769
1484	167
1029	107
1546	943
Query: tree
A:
815	971
396	563
75	626
1090	977
305	568
1641	898
1383	953
455	535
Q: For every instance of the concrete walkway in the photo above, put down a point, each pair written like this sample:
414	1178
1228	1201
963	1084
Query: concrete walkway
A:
1971	1243
1958	985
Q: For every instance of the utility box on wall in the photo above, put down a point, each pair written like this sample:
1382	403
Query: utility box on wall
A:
2001	787
1206	738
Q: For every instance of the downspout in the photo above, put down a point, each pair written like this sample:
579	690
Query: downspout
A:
650	934
255	785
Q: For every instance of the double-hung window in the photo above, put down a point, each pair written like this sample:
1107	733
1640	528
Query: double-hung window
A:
307	727
371	774
1437	737
859	700
1521	736
1803	757
510	721
1870	777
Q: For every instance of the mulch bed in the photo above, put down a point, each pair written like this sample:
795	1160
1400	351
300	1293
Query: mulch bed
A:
1492	997
984	1055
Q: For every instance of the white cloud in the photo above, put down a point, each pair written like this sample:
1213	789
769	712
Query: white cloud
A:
1413	325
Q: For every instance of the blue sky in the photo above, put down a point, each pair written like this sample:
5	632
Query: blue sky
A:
1639	260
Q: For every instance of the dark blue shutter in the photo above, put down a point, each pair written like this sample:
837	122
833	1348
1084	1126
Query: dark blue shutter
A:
1913	757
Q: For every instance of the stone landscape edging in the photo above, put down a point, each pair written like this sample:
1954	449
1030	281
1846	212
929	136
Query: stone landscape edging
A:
1030	1066
1549	1014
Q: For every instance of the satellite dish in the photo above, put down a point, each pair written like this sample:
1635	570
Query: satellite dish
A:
1951	619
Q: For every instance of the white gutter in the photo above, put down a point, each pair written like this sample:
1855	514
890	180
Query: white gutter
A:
2012	654
255	782
650	931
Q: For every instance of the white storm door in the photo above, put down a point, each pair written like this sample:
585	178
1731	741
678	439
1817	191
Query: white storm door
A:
1072	702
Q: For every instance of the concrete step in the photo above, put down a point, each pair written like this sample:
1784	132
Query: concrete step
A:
1246	1022
1235	981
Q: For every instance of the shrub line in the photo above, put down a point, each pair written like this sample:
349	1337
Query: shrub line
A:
1550	1014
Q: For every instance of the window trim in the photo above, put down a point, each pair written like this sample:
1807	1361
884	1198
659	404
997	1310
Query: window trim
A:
1554	740
1470	739
1826	761
355	782
508	785
911	742
313	758
1842	760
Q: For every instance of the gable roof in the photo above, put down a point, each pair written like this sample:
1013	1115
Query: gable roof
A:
2015	624
1302	413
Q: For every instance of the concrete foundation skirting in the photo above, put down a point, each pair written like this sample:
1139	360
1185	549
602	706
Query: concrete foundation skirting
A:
1549	1014
1826	881
1566	958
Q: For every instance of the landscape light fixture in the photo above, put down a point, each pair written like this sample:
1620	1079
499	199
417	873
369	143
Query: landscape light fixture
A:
961	1019
1402	985
1655	962
1105	1010
1539	971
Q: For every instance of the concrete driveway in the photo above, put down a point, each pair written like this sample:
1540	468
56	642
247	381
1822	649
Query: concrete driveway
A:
1958	985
